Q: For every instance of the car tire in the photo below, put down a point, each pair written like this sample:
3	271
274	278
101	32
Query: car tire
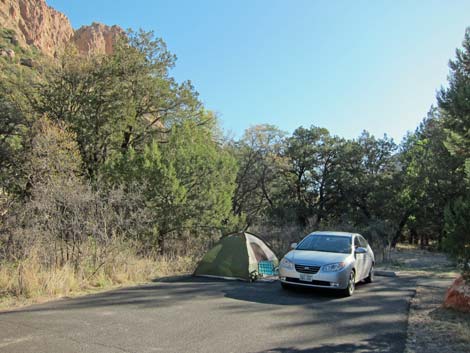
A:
349	290
370	278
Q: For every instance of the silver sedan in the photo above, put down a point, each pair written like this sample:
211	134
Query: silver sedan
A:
328	260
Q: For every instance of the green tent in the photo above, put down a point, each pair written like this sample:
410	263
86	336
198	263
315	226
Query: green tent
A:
238	256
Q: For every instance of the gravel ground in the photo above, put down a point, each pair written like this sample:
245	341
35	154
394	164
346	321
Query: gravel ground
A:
431	328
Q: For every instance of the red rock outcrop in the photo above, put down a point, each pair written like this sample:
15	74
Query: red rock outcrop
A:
458	296
37	24
97	38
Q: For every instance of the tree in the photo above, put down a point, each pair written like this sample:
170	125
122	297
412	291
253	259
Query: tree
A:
367	178
259	161
53	212
159	186
118	101
54	154
312	156
16	119
455	104
12	130
186	182
433	177
206	171
457	241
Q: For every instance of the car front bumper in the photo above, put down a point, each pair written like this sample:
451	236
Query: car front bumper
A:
336	280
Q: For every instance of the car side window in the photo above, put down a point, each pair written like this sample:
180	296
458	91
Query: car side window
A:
363	242
356	242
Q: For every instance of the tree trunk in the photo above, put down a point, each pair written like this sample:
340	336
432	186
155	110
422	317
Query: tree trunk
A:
127	139
421	238
399	232
414	236
161	244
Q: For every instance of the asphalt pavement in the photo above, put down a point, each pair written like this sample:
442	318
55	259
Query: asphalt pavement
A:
190	314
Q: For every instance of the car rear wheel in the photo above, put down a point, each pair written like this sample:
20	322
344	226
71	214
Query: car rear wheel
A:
370	278
351	285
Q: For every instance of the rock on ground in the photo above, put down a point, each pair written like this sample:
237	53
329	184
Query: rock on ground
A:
458	296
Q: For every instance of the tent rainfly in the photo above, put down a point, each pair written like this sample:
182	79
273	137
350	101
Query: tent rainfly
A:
236	256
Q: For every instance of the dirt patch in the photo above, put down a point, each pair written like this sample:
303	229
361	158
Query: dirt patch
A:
417	260
431	328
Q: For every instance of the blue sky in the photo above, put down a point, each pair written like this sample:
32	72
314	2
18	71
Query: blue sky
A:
343	65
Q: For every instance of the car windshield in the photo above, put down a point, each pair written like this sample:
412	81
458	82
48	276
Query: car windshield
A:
326	243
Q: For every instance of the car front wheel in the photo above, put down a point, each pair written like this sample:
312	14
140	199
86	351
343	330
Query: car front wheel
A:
286	286
351	285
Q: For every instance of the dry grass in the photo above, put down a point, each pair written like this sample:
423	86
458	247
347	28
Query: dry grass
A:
32	280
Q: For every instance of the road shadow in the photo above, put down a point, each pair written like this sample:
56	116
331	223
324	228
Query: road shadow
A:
265	292
178	290
387	343
274	294
173	291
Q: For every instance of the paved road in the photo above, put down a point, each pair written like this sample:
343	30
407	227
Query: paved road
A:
201	315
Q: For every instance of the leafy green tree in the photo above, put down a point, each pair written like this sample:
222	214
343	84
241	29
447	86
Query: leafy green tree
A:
455	104
366	178
12	131
186	182
433	177
17	89
259	161
162	193
457	242
114	102
207	171
312	158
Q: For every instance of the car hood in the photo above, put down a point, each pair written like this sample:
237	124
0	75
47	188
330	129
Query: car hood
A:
316	257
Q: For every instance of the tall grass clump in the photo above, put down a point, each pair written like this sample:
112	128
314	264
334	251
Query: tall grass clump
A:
36	277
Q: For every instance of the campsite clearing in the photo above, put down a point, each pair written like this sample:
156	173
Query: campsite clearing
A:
197	314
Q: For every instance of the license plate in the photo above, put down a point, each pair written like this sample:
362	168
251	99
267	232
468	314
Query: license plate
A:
306	277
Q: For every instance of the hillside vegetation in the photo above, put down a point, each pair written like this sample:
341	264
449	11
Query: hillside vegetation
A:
111	172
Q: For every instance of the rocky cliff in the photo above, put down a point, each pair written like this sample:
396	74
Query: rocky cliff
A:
97	38
39	25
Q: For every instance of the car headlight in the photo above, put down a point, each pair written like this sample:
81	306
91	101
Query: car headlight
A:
287	264
333	267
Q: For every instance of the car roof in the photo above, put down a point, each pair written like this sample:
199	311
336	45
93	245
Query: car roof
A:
333	233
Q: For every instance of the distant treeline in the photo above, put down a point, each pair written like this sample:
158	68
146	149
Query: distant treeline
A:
104	148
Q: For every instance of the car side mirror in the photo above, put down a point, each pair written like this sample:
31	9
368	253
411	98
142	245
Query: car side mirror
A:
293	246
360	250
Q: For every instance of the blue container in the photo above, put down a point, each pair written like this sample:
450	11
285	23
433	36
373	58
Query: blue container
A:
266	268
